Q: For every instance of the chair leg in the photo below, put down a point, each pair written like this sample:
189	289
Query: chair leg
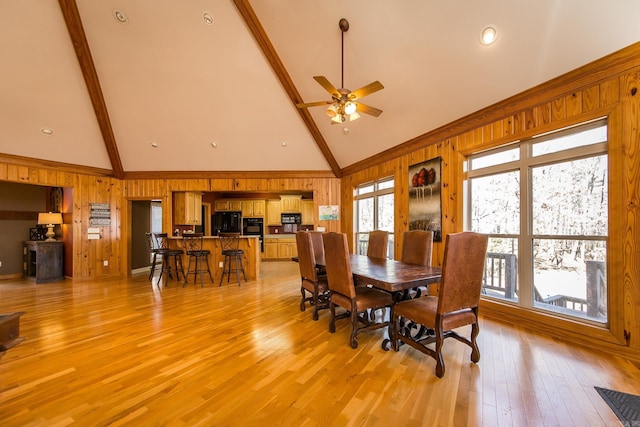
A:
475	352
224	265
303	299
153	266
206	258
235	259
315	304
353	341
438	353
186	276
332	319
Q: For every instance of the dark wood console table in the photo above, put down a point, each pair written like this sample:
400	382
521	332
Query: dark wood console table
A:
43	261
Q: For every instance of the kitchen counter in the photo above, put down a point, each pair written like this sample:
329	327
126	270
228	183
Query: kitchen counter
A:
250	260
280	236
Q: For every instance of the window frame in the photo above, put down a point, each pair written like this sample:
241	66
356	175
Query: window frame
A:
525	238
363	236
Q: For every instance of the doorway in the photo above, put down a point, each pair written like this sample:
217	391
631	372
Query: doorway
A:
146	217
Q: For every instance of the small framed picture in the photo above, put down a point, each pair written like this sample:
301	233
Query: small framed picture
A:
37	233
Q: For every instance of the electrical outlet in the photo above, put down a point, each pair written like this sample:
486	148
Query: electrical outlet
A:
220	264
105	263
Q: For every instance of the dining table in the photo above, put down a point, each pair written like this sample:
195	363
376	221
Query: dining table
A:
402	280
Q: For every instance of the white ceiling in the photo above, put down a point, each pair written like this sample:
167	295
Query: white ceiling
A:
170	79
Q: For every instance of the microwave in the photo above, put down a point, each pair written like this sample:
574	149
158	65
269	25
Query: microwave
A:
291	218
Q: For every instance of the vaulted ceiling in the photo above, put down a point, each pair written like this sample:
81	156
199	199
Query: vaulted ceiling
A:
166	86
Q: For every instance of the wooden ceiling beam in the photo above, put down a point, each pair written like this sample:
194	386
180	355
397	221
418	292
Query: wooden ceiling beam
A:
254	25
78	37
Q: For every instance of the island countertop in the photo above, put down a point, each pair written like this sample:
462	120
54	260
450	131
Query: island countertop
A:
250	259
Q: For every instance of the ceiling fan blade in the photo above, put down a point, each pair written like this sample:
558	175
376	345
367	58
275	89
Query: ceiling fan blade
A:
372	111
314	104
365	90
327	86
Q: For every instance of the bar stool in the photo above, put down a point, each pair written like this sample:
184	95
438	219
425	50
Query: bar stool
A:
153	250
168	255
193	246
229	243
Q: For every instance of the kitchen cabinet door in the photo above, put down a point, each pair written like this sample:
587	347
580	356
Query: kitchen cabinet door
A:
284	250
187	208
247	208
307	212
290	204
221	205
235	205
258	208
270	250
274	209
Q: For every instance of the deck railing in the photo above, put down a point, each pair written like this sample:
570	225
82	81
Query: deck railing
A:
500	279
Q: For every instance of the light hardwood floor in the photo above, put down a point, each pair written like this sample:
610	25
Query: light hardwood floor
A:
126	352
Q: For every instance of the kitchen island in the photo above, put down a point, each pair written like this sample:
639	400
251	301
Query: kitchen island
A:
250	260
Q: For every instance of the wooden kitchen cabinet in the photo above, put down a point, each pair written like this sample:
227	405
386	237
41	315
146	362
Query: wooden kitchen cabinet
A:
274	209
221	205
187	208
280	248
307	210
287	248
290	204
228	205
253	208
271	248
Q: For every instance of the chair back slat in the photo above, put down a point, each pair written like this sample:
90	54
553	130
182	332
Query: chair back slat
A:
229	241
162	240
192	242
339	276
462	270
417	246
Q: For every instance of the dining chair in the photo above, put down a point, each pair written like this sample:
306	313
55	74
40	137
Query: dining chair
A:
193	243
312	282
230	245
455	305
417	246
357	301
378	244
168	255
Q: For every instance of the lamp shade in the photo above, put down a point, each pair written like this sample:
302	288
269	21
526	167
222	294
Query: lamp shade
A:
49	218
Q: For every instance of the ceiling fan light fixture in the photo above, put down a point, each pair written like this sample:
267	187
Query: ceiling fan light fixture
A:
332	111
339	118
354	116
350	108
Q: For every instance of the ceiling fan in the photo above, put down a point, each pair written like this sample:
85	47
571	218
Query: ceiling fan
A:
344	102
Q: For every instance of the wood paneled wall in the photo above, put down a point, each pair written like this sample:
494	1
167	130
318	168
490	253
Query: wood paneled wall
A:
607	87
89	255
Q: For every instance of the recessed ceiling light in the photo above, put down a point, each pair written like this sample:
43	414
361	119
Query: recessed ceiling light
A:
120	16
46	131
214	144
488	35
283	144
207	18
154	144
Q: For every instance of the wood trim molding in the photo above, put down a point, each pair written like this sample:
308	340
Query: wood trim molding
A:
254	25
78	38
228	174
18	215
58	166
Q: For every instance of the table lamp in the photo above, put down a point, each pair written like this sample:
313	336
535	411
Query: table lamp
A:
49	220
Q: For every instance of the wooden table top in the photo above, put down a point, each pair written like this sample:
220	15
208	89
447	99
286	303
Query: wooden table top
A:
392	275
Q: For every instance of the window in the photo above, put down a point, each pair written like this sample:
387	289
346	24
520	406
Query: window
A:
544	204
373	210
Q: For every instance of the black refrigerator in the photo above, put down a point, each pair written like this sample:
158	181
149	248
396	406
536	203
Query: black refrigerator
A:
226	222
